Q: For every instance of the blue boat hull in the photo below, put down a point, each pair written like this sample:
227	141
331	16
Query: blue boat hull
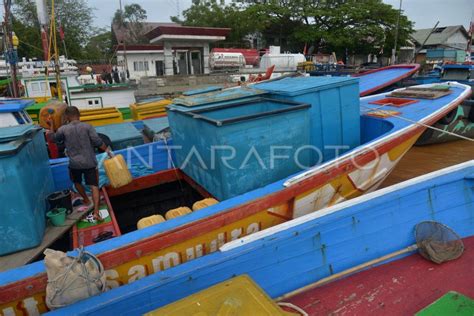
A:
294	254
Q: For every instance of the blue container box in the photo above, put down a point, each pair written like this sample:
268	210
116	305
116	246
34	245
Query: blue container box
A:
334	113
234	148
121	135
25	182
153	126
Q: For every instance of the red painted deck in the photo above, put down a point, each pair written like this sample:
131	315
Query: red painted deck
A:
402	287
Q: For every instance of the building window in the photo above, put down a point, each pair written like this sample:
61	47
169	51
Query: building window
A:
35	87
141	66
94	102
43	86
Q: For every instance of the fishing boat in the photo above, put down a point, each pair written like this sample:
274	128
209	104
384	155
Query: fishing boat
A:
379	79
354	235
389	126
382	78
458	124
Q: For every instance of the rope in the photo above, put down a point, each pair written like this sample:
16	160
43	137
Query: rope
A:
172	163
424	125
294	307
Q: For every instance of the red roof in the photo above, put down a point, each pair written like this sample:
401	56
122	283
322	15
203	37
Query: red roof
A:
139	47
187	30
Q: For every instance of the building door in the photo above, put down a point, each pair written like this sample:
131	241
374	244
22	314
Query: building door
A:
196	62
160	68
182	64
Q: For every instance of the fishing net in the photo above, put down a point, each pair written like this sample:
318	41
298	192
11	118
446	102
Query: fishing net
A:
437	242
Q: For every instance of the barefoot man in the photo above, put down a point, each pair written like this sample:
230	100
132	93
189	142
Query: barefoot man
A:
80	140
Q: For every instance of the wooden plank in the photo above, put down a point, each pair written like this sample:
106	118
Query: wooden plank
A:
51	234
420	93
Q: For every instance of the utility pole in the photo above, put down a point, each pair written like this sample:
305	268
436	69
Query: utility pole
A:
424	42
394	50
12	52
178	8
123	42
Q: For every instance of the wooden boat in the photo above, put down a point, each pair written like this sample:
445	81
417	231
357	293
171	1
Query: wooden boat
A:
460	121
379	79
386	135
295	254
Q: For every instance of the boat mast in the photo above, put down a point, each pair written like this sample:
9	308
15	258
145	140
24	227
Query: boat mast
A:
56	52
43	18
12	41
469	41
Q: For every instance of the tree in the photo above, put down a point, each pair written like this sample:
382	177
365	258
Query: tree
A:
217	14
75	17
99	47
132	20
360	26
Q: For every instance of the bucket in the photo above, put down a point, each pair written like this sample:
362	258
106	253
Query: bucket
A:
57	216
60	199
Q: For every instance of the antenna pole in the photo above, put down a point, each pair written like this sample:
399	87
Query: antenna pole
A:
394	51
124	38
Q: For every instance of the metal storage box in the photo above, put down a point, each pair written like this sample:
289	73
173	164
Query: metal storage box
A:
25	182
246	130
334	113
121	135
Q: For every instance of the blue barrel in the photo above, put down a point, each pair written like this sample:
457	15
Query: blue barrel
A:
25	182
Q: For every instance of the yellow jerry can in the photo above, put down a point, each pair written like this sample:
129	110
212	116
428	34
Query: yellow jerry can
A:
117	171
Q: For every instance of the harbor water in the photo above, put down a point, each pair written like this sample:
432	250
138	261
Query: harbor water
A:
425	159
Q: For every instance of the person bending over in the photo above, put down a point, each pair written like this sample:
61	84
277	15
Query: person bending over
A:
80	140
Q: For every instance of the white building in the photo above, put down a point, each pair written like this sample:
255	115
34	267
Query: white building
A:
142	60
174	50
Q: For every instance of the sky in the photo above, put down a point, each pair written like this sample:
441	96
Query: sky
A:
425	13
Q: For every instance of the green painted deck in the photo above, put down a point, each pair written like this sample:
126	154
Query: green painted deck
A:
452	303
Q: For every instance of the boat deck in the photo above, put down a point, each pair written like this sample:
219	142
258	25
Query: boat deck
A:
51	234
402	287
